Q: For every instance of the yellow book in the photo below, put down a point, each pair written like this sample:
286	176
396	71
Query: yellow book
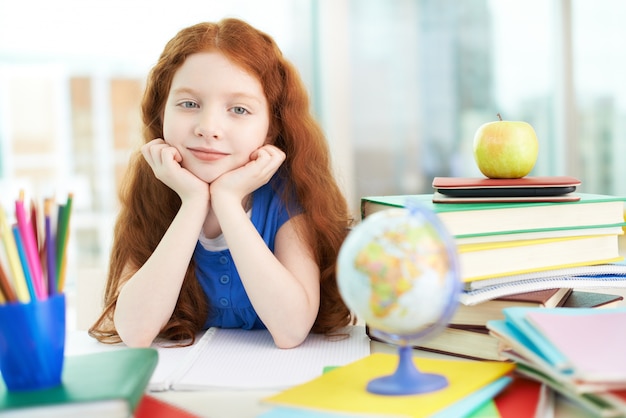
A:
485	261
344	388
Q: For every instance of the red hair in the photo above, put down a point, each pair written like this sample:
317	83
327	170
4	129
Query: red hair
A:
148	206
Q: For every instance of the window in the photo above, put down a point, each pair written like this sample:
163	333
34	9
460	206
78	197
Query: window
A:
399	86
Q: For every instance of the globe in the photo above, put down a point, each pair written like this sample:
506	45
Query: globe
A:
398	271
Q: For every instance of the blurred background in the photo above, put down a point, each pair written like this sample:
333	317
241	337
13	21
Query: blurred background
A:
399	87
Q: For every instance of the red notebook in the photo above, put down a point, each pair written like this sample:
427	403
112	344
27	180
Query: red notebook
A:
151	407
520	399
484	182
525	189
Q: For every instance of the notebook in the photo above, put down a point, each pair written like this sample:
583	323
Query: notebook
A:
100	385
343	390
525	189
222	358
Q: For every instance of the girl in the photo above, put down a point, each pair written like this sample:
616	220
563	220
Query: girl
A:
230	215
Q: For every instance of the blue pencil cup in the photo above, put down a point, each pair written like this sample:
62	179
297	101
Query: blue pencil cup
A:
32	343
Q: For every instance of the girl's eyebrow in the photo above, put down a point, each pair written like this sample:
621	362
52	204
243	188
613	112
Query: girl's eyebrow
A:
246	96
183	90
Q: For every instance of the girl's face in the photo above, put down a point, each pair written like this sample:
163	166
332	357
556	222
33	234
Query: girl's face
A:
216	115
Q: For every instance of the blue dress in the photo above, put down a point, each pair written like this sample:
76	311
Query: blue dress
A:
216	272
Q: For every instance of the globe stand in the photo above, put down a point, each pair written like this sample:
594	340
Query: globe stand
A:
407	379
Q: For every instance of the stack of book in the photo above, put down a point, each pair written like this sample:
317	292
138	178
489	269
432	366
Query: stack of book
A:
467	334
503	239
512	245
576	352
475	341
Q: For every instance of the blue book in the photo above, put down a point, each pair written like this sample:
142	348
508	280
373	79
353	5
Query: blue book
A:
473	402
516	318
523	346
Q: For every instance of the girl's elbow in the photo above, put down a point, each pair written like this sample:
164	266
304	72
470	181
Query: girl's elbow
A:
287	343
138	342
134	335
289	340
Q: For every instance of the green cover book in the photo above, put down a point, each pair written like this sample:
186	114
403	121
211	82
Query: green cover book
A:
104	384
592	211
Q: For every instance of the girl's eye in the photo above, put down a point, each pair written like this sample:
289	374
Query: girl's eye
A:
240	110
188	104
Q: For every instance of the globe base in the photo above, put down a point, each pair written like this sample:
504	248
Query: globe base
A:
407	379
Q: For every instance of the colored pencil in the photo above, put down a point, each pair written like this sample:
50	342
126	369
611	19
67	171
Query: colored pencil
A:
21	251
34	223
62	238
5	287
30	247
50	249
15	265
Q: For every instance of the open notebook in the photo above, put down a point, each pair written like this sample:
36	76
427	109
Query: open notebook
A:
242	359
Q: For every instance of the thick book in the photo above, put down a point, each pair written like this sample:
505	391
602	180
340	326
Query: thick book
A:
221	358
342	390
468	343
486	261
479	314
538	235
107	385
472	343
469	220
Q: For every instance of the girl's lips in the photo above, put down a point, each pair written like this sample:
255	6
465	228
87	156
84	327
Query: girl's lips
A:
207	155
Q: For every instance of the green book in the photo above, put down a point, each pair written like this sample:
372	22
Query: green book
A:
593	214
106	384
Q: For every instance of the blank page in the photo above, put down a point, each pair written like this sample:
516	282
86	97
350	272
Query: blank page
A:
243	359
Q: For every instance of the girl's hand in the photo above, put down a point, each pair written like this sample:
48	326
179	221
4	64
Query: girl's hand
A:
165	162
239	183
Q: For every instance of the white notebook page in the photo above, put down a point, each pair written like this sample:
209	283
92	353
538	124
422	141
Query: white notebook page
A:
242	359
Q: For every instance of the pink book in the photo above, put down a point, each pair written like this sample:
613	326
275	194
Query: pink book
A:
592	341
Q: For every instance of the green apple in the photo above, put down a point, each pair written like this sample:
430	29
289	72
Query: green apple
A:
505	149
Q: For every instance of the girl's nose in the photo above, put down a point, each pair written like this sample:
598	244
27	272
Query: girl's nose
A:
209	124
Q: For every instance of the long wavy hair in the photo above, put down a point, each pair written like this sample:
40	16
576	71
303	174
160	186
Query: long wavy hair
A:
148	206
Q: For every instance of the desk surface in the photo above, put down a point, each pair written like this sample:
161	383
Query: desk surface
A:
246	403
